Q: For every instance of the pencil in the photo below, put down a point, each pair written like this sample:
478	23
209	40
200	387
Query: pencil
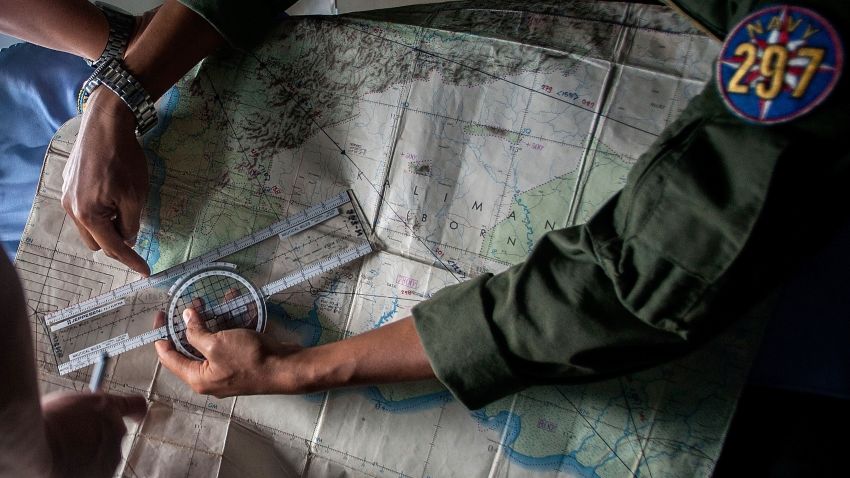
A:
98	373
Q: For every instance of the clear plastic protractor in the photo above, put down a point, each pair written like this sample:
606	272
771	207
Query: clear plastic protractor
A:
224	299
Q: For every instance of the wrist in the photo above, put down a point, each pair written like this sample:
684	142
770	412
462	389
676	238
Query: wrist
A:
114	75
314	369
93	44
120	27
103	102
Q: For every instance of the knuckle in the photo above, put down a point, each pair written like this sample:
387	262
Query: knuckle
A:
85	216
214	346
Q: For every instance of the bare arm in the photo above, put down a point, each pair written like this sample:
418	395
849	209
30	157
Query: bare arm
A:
106	208
392	353
174	41
242	362
72	26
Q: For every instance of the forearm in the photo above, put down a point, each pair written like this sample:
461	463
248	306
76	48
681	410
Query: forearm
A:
175	40
392	353
167	46
73	26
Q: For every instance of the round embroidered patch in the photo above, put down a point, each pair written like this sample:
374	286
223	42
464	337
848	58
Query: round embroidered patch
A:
778	64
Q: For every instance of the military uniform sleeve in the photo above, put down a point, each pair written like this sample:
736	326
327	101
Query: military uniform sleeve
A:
241	23
710	220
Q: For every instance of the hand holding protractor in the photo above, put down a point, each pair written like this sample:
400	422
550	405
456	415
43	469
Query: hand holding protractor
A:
219	285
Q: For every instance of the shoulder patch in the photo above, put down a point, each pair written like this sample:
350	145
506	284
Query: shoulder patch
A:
779	63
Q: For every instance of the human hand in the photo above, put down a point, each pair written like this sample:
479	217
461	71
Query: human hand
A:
238	361
104	161
84	431
105	181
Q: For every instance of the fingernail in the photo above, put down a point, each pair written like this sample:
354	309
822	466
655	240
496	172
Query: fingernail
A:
186	315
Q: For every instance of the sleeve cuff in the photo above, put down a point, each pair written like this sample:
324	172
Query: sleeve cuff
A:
242	24
461	346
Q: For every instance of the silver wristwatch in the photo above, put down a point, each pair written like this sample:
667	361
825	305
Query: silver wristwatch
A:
112	74
121	26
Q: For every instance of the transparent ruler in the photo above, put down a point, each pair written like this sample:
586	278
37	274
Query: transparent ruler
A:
219	284
176	331
100	304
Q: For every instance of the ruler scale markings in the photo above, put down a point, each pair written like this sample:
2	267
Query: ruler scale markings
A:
315	269
291	225
270	289
114	349
111	300
98	347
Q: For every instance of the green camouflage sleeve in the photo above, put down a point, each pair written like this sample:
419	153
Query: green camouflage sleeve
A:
713	217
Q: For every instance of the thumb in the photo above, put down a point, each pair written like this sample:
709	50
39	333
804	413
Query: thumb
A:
196	331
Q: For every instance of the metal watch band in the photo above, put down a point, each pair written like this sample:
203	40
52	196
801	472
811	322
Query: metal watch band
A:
114	75
121	26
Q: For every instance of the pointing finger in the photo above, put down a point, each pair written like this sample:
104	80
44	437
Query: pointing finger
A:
104	232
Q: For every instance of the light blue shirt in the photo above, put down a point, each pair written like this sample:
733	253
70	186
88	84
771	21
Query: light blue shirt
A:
37	94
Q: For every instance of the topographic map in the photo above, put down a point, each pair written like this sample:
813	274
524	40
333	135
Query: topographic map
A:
466	133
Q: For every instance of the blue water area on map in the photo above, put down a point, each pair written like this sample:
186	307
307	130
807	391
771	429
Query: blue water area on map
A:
513	423
307	326
148	240
412	404
386	316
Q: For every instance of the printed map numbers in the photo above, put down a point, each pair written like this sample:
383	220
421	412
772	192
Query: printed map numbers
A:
779	63
773	68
